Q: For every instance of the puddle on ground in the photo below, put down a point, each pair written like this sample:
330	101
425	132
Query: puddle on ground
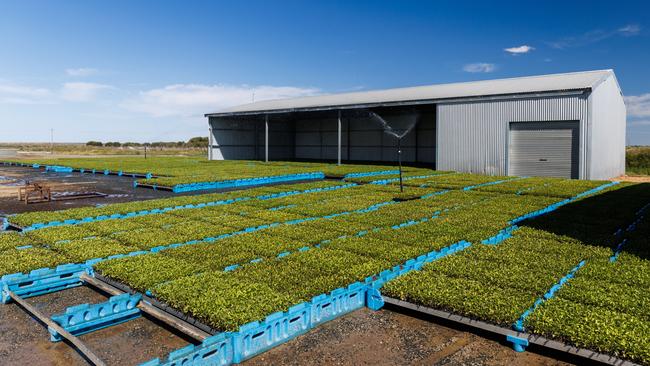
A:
116	189
117	195
10	181
76	193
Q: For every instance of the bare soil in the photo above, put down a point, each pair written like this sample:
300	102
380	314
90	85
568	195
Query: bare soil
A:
25	341
633	178
386	337
364	337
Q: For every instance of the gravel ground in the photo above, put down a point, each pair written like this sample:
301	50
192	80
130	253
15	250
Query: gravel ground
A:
363	337
386	337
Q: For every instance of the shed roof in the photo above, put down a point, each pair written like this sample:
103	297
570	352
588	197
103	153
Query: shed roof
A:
520	85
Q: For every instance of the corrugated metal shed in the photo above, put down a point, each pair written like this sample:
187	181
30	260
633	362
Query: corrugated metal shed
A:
473	137
465	127
532	84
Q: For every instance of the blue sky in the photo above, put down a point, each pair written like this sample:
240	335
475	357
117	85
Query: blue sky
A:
148	70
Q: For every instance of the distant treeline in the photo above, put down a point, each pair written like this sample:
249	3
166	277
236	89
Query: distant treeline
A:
637	160
194	142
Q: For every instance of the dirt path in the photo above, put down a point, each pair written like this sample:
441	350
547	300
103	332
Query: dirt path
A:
633	178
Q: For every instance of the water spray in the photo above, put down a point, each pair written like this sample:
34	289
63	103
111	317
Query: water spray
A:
398	135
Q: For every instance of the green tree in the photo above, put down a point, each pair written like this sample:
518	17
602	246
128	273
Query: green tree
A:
198	142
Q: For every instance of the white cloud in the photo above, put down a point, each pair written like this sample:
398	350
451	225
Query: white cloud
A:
595	36
629	30
81	91
73	92
638	105
21	94
187	100
82	71
479	67
642	122
520	50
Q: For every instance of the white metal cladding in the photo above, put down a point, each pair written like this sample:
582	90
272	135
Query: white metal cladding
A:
607	134
543	149
472	136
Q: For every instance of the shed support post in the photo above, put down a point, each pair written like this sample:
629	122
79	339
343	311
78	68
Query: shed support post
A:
266	138
210	142
339	138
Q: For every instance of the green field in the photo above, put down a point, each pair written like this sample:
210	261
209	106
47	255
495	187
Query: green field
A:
241	260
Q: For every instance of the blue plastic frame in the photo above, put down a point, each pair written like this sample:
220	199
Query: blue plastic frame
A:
43	281
257	337
86	318
246	182
37	226
372	299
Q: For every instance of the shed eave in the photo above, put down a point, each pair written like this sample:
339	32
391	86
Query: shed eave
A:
402	103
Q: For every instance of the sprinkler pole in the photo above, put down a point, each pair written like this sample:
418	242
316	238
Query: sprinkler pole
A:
399	159
387	129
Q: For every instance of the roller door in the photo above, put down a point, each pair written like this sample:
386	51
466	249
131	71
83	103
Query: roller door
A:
547	149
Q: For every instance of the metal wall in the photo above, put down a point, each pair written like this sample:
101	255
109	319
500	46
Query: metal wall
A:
473	136
317	139
363	139
243	139
425	143
302	137
281	140
466	136
544	149
607	135
232	139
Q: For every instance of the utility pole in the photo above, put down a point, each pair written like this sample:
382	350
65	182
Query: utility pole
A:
51	141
